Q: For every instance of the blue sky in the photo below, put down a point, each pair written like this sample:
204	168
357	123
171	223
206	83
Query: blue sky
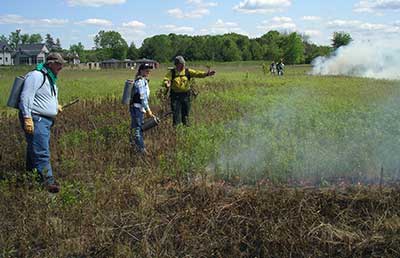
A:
74	21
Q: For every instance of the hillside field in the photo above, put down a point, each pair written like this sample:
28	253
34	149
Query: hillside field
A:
292	166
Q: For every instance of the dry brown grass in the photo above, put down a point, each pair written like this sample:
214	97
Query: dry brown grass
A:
113	205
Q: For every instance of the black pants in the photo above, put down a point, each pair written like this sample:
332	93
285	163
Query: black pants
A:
180	106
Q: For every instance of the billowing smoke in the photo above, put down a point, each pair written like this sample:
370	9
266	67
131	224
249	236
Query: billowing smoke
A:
379	60
310	143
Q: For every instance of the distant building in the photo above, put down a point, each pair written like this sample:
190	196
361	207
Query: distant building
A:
127	63
110	64
153	63
30	54
90	65
72	58
5	54
117	64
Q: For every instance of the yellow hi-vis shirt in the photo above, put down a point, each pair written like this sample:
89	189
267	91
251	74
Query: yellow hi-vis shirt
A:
181	83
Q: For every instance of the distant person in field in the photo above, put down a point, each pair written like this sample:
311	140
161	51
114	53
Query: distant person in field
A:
264	68
280	67
177	81
272	68
38	108
139	106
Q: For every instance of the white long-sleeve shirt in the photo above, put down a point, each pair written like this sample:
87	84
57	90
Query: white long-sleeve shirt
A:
38	99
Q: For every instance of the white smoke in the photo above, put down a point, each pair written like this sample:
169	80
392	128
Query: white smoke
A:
379	60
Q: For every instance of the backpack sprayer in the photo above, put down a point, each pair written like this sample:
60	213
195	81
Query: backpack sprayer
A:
154	121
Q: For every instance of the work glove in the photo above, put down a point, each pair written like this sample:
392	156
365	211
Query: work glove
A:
210	73
28	125
149	113
60	109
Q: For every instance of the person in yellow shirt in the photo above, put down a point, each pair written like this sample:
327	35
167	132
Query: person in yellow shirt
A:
177	81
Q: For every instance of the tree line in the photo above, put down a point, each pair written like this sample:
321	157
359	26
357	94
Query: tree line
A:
293	48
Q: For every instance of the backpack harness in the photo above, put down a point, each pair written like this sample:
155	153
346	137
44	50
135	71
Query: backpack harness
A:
187	74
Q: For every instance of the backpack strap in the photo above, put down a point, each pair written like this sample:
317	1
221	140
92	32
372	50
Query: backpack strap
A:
44	80
187	73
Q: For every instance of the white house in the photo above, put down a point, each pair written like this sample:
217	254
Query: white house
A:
29	54
5	54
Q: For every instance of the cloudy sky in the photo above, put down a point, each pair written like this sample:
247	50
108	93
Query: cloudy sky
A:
74	21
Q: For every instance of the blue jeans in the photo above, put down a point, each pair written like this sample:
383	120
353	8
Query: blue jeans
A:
38	147
136	136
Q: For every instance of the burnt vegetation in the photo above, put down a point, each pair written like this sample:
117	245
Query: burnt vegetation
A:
114	204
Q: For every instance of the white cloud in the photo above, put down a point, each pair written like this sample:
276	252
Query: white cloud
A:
343	24
356	25
311	18
363	30
262	6
200	3
278	23
53	22
95	22
175	29
180	14
221	27
221	24
17	19
377	5
313	33
197	9
94	3
134	25
281	19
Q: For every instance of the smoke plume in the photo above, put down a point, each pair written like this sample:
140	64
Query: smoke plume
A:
379	60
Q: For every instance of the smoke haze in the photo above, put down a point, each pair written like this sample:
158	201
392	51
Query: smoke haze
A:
379	60
312	143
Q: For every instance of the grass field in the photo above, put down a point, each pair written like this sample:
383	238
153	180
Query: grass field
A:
293	166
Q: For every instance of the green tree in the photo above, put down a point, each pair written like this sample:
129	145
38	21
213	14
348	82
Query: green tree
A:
311	51
15	39
340	39
24	38
35	38
57	46
243	43
158	47
49	41
294	49
133	52
80	50
3	38
196	49
111	44
230	51
272	44
213	47
256	50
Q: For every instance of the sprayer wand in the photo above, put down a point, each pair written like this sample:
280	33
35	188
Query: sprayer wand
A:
70	103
